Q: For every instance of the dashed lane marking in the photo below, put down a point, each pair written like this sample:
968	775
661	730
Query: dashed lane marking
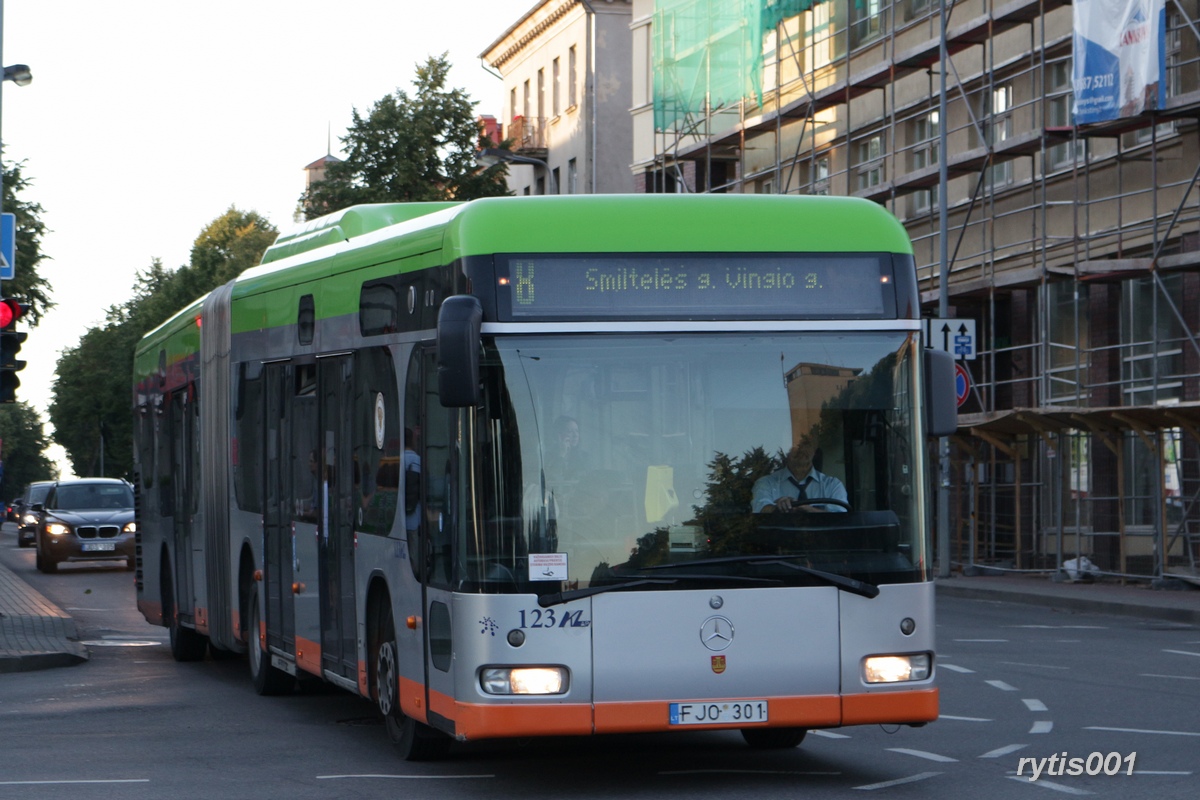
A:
1141	730
399	777
1034	705
963	719
925	754
1003	751
1042	726
1002	686
955	668
898	782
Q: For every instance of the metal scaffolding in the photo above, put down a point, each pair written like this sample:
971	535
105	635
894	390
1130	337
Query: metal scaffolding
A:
1075	248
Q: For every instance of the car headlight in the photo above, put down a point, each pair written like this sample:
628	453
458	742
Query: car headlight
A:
130	527
895	669
524	680
30	519
57	529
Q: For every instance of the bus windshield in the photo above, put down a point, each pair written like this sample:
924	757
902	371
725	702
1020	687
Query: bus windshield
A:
698	459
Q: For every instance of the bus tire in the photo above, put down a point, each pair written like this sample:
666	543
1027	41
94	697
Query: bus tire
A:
773	738
268	680
415	741
186	644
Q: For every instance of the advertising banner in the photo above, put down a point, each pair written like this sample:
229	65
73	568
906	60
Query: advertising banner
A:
1120	58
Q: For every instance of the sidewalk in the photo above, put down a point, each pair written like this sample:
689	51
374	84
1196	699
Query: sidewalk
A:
34	633
1105	596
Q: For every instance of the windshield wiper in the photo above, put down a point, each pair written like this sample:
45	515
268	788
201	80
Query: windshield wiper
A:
861	588
558	598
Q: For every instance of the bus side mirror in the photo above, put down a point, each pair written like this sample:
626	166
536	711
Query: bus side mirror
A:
941	395
458	325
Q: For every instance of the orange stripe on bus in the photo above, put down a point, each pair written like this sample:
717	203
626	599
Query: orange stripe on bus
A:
308	655
477	721
818	711
202	620
876	707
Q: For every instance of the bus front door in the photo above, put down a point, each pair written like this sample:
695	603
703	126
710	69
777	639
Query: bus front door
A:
277	509
339	649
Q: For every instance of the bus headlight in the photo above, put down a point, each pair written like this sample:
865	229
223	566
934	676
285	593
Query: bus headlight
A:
894	669
57	529
524	680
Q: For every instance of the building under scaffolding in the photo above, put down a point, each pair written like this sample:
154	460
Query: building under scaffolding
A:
1076	249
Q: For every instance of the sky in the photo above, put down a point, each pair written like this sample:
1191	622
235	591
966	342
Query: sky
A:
147	119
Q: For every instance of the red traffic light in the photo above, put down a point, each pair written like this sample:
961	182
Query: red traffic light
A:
10	312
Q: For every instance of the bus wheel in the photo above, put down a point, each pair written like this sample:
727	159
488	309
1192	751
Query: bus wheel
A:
773	738
268	680
414	740
186	644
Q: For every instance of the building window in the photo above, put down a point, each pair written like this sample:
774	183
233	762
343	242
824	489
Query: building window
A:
924	133
868	161
999	129
1059	98
556	78
572	177
867	25
541	97
820	175
572	78
557	181
527	100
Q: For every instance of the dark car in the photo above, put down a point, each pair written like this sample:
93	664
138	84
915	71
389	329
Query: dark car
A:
86	519
27	518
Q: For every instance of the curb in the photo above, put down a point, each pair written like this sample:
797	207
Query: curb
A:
1190	616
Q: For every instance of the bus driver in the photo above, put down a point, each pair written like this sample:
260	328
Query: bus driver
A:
787	488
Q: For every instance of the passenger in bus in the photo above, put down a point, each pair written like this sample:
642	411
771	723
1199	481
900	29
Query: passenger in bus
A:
565	459
412	482
787	488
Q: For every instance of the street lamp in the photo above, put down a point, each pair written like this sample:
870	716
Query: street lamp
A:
491	156
18	74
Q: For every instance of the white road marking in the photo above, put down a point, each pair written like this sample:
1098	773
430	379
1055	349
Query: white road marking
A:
924	754
829	734
56	783
1182	653
1042	726
1176	677
954	668
1034	705
1061	627
1002	686
1058	787
400	777
1038	666
1141	730
963	719
898	782
740	772
1003	751
993	641
1161	772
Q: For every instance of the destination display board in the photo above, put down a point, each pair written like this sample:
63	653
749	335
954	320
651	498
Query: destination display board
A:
735	286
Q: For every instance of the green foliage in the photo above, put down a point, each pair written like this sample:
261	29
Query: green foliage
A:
725	518
27	285
25	443
418	148
91	405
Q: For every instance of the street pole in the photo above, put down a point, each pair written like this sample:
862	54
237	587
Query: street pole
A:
943	491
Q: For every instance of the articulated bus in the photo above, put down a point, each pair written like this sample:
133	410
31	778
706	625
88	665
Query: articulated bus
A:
492	466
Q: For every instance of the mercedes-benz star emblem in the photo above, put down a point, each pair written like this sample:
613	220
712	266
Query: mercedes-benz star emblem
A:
716	633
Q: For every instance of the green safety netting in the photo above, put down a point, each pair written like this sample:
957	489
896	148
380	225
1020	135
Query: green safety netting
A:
708	54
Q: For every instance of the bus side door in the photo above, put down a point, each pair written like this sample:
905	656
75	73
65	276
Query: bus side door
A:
339	648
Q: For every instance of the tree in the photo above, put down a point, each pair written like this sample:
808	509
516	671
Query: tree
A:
24	453
27	285
419	148
91	406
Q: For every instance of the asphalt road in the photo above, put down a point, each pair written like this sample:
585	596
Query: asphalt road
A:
1020	685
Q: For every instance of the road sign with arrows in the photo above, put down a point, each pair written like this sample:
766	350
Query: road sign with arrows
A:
955	336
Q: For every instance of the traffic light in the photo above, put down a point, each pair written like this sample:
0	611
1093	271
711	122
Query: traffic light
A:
10	346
